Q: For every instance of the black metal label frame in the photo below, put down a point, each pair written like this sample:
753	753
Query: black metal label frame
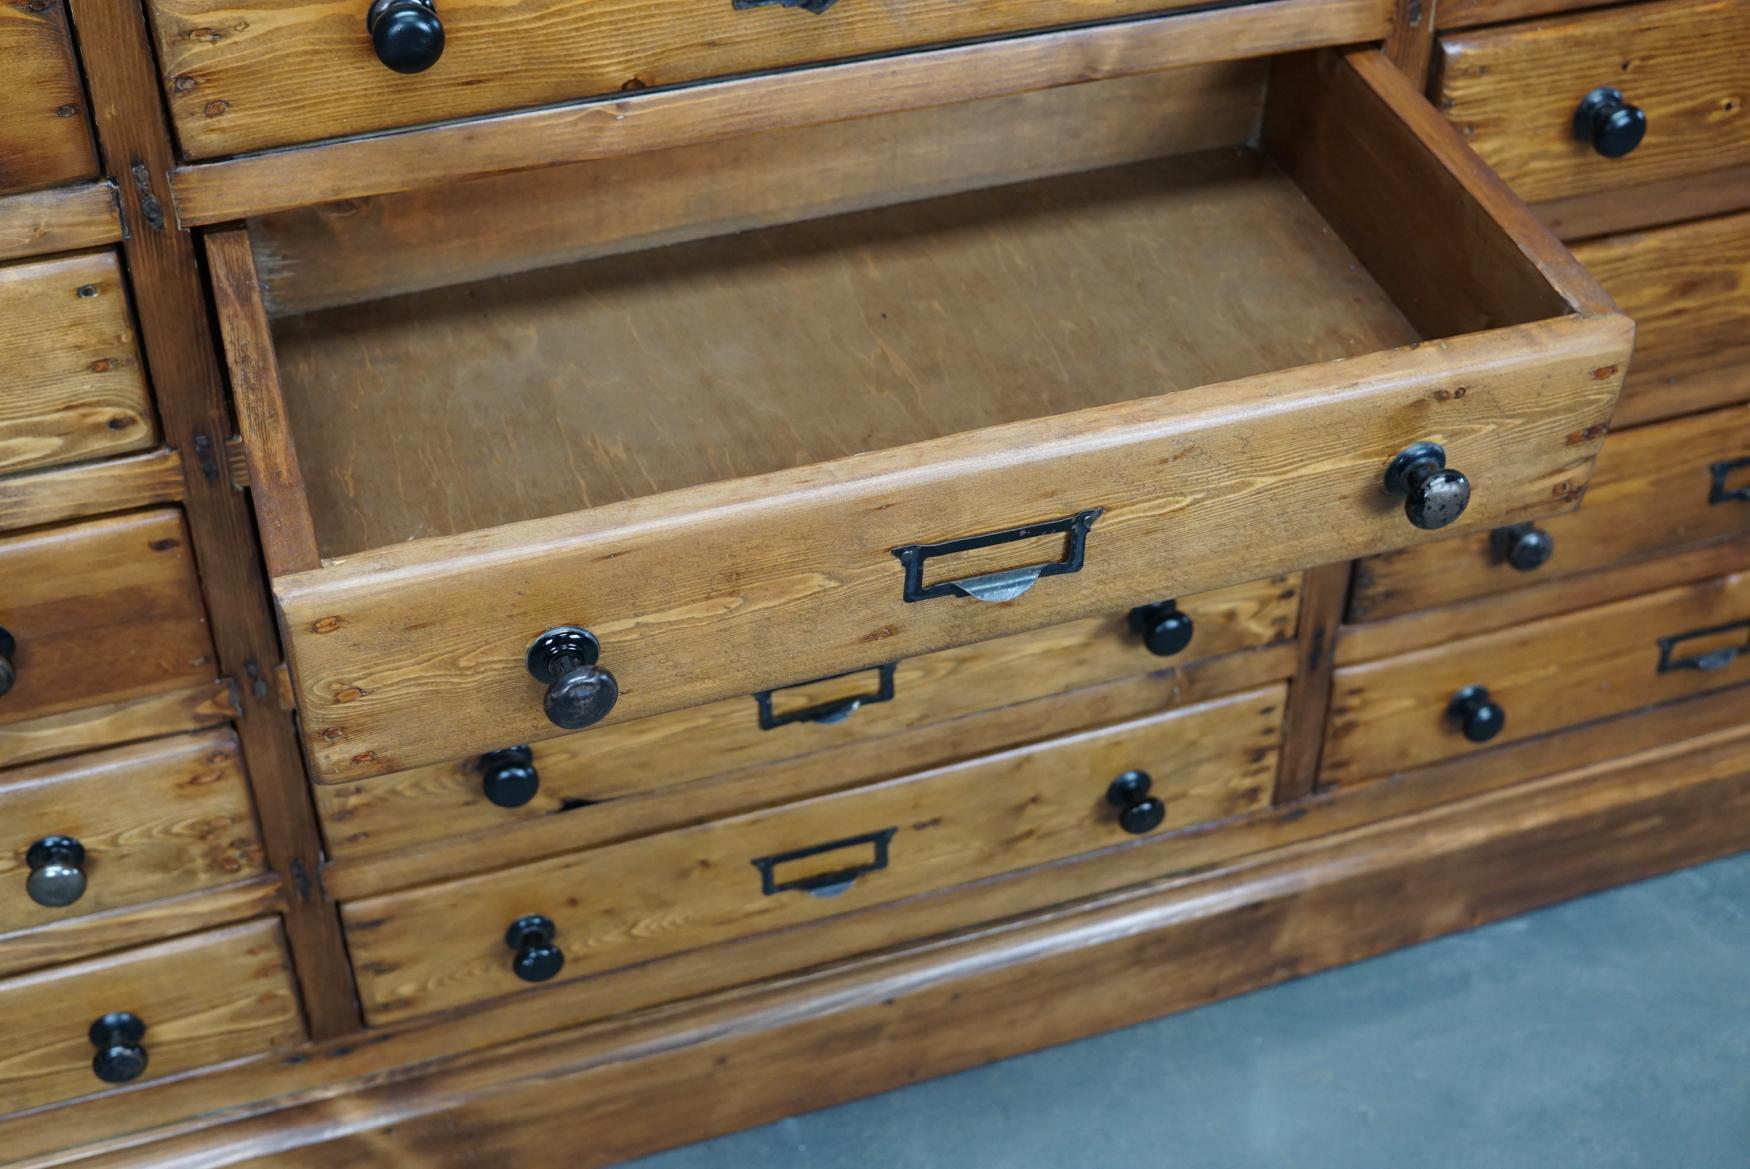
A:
1713	659
835	710
1722	472
914	556
768	865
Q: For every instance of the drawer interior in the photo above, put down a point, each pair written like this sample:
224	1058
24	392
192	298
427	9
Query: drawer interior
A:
1218	241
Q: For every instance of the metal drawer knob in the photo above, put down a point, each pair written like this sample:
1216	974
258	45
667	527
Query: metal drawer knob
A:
1138	812
509	777
8	651
1163	628
1609	123
57	875
1477	715
119	1057
407	34
1526	547
579	692
537	958
1434	494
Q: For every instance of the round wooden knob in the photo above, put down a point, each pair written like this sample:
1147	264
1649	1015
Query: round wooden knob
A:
1610	124
1163	628
120	1057
57	874
1138	812
1524	547
406	34
1478	716
1434	494
509	777
8	651
537	958
579	692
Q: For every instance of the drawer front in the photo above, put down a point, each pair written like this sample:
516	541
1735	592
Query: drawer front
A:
45	138
1688	290
99	612
203	999
119	827
1514	91
624	759
443	946
241	75
1399	713
73	388
1656	489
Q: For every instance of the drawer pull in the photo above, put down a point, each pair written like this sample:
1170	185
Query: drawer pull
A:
509	777
1525	547
997	586
57	873
579	692
836	710
8	651
834	881
120	1057
1609	123
1163	628
1479	717
815	6
1434	494
1722	474
1138	812
406	34
1717	658
537	958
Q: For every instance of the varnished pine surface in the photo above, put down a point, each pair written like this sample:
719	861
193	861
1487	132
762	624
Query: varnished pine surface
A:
45	139
572	387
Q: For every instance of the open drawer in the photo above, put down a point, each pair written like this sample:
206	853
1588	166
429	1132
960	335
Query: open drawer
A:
742	461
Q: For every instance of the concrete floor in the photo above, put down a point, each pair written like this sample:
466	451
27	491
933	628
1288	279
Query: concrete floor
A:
1606	1033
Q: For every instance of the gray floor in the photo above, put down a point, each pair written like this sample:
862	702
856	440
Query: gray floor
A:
1609	1032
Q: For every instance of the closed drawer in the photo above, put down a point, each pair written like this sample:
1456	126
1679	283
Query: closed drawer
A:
98	612
204	999
45	139
1399	713
73	388
1656	489
560	775
1688	289
733	497
444	946
1514	91
119	827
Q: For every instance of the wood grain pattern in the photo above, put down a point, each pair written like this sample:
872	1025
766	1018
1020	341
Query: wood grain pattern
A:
1652	492
74	388
103	611
423	805
1688	289
806	1043
46	139
360	249
633	123
1468	13
79	492
157	819
1581	217
643	899
87	728
1512	91
205	999
1390	715
64	219
1325	591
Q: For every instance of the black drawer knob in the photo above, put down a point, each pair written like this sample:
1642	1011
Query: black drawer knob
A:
1162	627
1138	812
1434	494
1609	123
1477	715
537	958
1525	547
407	34
57	874
8	651
509	776
579	692
119	1057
